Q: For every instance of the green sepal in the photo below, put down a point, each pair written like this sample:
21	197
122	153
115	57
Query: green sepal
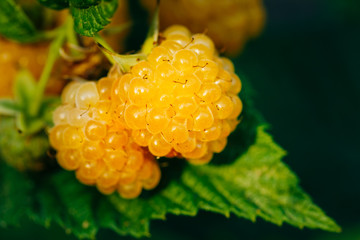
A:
24	90
28	125
125	61
14	24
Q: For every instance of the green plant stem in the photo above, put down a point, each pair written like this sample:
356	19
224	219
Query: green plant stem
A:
70	33
102	41
71	38
52	56
45	35
116	29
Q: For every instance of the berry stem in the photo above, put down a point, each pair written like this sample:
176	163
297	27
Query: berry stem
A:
54	48
125	61
153	33
98	39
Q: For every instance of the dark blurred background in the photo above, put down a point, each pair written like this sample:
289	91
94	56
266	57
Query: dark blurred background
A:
305	70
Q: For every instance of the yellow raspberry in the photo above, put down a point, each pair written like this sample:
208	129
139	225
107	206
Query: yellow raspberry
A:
230	23
182	100
90	142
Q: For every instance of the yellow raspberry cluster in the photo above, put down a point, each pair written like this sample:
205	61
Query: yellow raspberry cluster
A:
230	23
182	100
100	150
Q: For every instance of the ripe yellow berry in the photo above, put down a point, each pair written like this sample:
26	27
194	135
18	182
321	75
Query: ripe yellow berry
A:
180	101
90	138
181	98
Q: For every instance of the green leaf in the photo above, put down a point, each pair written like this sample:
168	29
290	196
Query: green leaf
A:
14	24
248	180
55	4
25	90
257	184
8	107
92	19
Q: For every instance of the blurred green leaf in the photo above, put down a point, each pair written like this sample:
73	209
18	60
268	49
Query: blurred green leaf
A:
8	107
14	23
61	4
15	199
84	3
55	4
